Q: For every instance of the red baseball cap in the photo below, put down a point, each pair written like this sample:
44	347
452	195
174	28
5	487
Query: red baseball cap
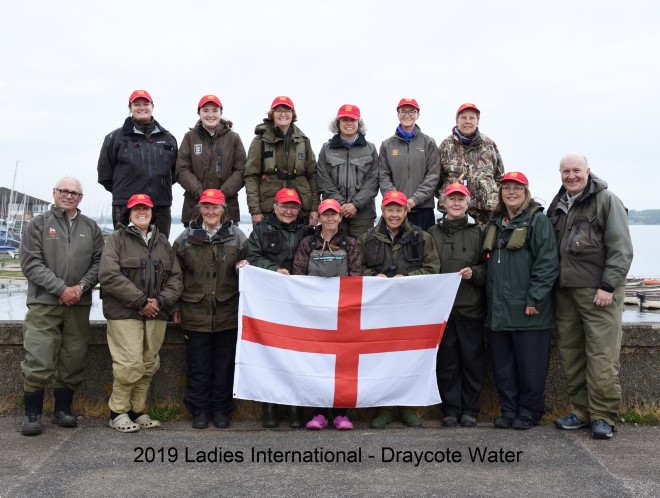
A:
467	106
139	199
140	94
410	102
282	100
209	98
329	204
396	197
212	196
287	195
456	187
515	176
349	111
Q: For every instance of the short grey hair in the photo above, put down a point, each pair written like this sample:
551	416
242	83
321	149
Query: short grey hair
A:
66	179
334	126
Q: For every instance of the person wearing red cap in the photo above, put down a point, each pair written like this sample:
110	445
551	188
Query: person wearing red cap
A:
211	156
328	252
348	171
272	245
522	266
210	251
396	248
461	355
141	279
139	157
595	253
59	254
469	157
280	156
408	162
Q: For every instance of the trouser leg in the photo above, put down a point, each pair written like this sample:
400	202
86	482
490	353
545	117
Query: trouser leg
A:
154	335
125	340
199	360
163	219
448	371
354	227
224	346
75	340
572	350
532	353
505	372
470	338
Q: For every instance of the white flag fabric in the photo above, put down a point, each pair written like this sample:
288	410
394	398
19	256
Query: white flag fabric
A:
343	342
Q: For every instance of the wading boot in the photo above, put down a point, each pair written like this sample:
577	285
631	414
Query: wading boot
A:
296	417
383	419
62	414
34	403
270	415
408	417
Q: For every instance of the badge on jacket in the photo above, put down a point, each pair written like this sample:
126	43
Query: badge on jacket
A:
197	149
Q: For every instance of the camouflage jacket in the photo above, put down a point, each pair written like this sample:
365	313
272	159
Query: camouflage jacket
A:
479	164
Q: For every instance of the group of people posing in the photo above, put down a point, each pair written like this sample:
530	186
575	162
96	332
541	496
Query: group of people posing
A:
524	273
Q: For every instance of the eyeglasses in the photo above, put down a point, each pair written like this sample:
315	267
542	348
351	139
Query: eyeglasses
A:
512	188
283	111
407	113
284	209
67	193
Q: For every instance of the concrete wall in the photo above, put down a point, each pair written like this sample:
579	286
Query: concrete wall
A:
640	367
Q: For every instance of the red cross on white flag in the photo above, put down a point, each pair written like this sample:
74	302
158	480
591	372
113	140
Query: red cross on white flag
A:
343	342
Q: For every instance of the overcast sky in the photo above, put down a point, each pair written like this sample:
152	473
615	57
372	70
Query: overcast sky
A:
549	78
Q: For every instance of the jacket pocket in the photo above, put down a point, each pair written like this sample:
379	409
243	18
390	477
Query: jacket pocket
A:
584	237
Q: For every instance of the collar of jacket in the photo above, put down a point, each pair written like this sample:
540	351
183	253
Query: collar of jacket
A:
594	185
291	227
198	236
267	132
61	213
396	134
337	142
452	226
129	129
477	139
223	128
382	233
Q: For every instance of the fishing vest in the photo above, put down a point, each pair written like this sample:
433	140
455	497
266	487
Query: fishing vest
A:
330	262
518	239
379	256
269	161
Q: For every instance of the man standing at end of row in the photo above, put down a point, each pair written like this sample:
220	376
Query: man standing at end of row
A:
595	251
60	254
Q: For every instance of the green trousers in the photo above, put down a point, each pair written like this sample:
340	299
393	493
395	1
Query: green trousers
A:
55	339
589	344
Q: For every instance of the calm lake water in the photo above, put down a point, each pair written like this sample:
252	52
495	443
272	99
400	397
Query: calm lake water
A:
646	263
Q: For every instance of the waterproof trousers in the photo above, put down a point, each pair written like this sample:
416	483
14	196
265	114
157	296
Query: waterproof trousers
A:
134	347
55	339
589	345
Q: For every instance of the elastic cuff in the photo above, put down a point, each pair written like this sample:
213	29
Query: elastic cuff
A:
606	287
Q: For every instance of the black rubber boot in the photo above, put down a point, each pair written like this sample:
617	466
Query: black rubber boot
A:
271	416
62	414
296	417
34	403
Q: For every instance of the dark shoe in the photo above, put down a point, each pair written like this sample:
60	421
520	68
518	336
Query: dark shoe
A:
570	422
221	420
409	418
601	430
382	420
200	420
62	414
468	421
296	417
503	422
65	419
270	415
31	425
449	421
523	423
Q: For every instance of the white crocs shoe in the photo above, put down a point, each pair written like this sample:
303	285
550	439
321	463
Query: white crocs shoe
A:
146	422
123	423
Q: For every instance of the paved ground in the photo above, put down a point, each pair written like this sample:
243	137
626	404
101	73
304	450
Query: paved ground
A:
245	460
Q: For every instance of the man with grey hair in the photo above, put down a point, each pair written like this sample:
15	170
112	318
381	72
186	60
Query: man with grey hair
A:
595	252
60	254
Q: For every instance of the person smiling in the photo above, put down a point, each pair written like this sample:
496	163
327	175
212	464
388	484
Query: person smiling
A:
280	156
348	171
211	156
461	355
395	248
140	279
408	162
469	157
139	157
522	265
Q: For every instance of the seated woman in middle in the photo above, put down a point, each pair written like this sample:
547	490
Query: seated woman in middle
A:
328	253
